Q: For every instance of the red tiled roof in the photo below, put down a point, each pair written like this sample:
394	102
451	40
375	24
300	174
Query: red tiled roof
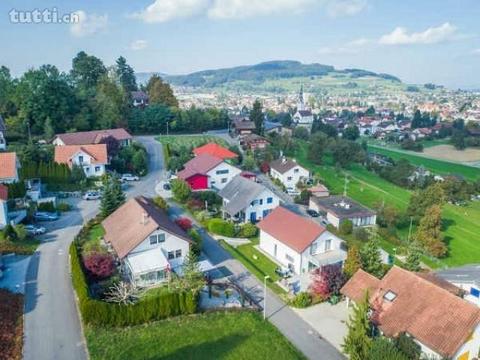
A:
98	152
200	164
3	192
8	165
215	150
93	137
293	230
358	284
432	315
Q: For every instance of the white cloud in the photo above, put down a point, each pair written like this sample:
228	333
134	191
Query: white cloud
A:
432	35
338	8
231	9
350	48
88	24
138	45
166	10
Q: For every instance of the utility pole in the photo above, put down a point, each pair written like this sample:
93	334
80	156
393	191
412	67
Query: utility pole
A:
167	127
345	186
410	229
265	296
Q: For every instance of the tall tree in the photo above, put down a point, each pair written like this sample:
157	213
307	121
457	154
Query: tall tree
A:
353	262
256	115
318	145
357	342
429	233
421	200
112	196
371	258
160	92
413	259
87	70
110	105
7	88
126	75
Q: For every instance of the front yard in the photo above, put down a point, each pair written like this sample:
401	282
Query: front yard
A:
235	335
20	247
11	325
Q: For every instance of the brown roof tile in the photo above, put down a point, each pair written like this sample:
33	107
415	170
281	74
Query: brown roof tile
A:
133	222
8	165
98	152
200	164
283	165
93	137
293	230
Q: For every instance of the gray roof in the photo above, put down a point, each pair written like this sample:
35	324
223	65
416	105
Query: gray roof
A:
465	274
283	165
240	192
269	125
343	207
2	124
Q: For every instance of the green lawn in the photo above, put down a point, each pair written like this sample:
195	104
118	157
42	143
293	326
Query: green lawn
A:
462	226
25	247
257	263
236	335
176	141
437	166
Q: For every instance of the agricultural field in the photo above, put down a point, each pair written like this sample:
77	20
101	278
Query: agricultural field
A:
461	229
437	166
177	141
235	335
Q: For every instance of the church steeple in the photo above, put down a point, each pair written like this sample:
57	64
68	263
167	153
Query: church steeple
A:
301	100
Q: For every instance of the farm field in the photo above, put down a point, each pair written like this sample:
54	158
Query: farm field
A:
235	335
461	223
437	166
177	141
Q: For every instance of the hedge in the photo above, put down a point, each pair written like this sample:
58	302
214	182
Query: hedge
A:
221	227
148	309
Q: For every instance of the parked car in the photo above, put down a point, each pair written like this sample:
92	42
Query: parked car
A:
313	213
92	195
45	216
129	177
35	230
283	272
167	186
292	191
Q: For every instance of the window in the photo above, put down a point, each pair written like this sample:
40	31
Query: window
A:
80	158
221	172
157	239
97	168
269	200
178	253
289	258
296	171
313	248
289	178
171	255
224	180
260	201
153	239
390	296
254	202
328	244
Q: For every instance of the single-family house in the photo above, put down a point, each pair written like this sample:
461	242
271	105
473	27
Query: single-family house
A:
3	134
205	172
147	243
442	324
91	158
93	137
245	200
139	98
243	126
340	208
288	171
467	278
299	243
216	150
254	142
9	165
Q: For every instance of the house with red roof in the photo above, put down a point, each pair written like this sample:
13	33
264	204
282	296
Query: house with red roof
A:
9	165
215	150
298	243
91	158
205	172
93	137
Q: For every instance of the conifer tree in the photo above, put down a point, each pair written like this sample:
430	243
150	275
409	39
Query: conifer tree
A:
357	342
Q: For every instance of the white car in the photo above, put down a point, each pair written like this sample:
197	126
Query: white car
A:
129	177
35	230
92	195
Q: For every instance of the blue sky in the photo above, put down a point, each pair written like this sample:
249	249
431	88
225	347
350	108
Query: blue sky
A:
419	41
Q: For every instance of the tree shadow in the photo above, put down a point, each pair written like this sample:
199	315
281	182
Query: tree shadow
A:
216	349
446	223
31	287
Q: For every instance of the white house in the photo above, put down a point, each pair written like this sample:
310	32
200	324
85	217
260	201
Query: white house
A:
3	129
91	158
467	278
205	171
444	325
340	208
299	243
303	117
245	200
288	172
147	243
9	166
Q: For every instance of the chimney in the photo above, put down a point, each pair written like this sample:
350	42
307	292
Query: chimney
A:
284	160
144	219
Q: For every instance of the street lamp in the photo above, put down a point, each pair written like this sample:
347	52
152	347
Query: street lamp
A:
265	296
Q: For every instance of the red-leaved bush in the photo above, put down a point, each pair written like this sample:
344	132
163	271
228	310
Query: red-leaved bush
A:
195	204
184	223
99	265
327	280
265	167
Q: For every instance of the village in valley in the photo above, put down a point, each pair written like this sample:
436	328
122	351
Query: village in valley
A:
281	210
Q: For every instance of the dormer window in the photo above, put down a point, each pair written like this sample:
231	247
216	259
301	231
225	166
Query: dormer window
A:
390	296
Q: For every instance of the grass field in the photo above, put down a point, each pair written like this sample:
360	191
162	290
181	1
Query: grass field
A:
236	335
437	166
176	141
462	223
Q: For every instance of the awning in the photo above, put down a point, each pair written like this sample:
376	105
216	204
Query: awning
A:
147	261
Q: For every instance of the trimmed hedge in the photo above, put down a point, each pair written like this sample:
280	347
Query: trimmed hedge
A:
148	309
221	227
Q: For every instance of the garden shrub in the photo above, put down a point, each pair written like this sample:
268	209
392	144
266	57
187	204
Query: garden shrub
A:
221	227
46	206
160	202
360	234
346	227
302	300
197	241
99	265
248	230
63	207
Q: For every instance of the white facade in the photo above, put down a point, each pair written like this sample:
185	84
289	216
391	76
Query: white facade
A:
326	249
335	220
85	161
3	141
221	175
291	177
173	249
3	214
260	207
